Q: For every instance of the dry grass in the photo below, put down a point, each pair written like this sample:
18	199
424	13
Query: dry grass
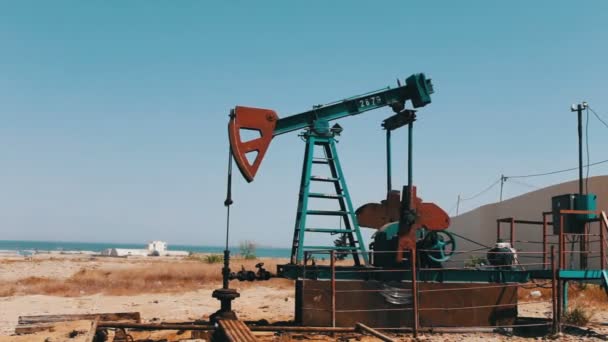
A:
579	316
578	294
157	277
587	295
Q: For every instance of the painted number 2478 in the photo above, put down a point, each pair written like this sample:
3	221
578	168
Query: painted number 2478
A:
370	101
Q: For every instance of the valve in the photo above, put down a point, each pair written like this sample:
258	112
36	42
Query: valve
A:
442	245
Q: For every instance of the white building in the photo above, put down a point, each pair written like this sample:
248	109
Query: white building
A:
157	248
122	252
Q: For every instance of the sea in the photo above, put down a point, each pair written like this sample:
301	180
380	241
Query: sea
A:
30	247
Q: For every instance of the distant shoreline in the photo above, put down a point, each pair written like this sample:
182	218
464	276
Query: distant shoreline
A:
24	247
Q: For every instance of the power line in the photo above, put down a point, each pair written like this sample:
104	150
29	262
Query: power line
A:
573	168
524	184
598	116
558	171
481	192
504	178
467	239
452	208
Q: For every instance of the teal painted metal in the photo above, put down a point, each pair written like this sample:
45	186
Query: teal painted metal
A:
311	249
442	239
320	135
446	275
297	252
605	280
384	240
410	163
389	176
581	274
418	89
376	273
336	170
573	223
565	296
586	202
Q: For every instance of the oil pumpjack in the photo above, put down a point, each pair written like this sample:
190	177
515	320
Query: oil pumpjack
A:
409	220
411	243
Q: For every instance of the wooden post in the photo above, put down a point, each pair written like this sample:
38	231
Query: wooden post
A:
414	292
333	288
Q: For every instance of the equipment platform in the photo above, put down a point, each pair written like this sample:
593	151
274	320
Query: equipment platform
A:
437	275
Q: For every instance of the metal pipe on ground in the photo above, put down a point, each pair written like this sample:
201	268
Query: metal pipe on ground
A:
272	328
155	326
376	333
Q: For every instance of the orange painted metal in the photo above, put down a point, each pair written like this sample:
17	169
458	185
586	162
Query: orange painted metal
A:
554	299
376	215
545	221
256	119
427	215
416	318
432	217
235	331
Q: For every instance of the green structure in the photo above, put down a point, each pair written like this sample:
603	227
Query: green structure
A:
323	137
319	135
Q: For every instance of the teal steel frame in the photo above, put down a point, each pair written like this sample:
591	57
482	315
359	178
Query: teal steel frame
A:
321	136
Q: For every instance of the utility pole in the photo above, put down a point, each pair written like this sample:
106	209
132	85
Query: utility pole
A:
503	179
458	205
579	111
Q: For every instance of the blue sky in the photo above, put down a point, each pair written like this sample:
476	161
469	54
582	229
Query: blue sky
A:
113	114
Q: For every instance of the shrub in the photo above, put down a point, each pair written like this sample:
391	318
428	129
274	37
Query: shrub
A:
213	258
577	316
475	261
342	241
247	249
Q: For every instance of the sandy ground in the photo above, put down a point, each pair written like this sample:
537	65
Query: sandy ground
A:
258	301
262	302
273	300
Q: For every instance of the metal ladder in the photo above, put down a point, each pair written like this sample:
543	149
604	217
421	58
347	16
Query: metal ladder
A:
345	212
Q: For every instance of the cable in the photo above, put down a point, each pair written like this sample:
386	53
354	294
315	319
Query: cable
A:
472	241
558	171
598	116
452	208
551	172
524	184
482	192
